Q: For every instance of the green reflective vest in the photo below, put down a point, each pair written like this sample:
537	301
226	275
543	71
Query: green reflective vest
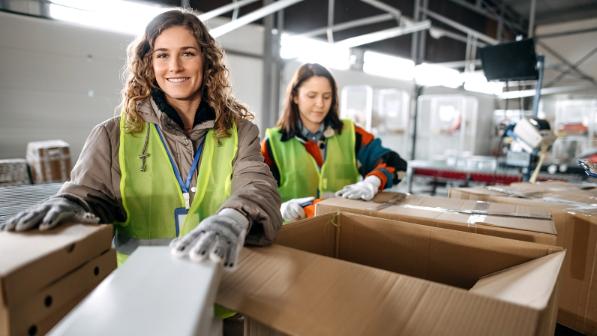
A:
149	197
300	176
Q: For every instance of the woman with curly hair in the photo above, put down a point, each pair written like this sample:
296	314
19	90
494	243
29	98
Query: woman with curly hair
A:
181	160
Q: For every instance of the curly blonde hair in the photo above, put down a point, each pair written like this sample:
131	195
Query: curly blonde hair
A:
140	78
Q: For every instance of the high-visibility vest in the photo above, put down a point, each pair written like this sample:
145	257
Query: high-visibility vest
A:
300	176
150	197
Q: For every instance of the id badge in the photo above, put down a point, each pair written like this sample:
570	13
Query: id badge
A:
179	215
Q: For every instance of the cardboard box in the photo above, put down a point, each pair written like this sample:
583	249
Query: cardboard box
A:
33	316
575	217
349	274
49	161
14	172
33	261
508	221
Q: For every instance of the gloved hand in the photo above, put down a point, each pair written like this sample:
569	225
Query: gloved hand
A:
365	189
49	214
293	209
219	237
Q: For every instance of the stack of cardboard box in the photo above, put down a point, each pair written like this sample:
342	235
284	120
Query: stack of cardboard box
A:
350	274
49	161
574	209
43	275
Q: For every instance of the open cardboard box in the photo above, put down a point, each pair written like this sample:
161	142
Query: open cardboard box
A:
349	274
41	271
495	219
575	217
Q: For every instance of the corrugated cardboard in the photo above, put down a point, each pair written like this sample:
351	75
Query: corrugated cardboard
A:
508	221
575	217
32	261
49	161
50	301
349	274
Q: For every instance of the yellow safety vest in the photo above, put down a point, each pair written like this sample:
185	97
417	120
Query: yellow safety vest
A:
300	176
149	197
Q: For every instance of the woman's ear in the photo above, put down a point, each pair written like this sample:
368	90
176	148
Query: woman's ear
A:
295	99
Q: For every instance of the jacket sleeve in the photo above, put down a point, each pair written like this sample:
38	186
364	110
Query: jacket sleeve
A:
254	190
374	159
91	183
268	157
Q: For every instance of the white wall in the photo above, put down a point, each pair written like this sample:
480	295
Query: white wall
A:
59	80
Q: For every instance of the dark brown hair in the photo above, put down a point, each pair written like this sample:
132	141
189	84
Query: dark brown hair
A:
215	89
290	115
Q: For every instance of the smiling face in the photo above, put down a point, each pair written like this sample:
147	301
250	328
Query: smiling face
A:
314	98
178	65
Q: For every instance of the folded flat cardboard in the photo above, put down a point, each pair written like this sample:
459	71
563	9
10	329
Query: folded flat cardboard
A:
349	274
31	316
575	217
34	260
49	161
508	221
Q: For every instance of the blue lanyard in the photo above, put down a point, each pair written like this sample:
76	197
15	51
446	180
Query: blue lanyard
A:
184	187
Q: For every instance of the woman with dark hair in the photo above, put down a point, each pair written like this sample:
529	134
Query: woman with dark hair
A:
181	160
313	154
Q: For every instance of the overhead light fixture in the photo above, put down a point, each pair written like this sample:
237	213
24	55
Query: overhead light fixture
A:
477	82
388	66
436	75
384	34
305	49
120	16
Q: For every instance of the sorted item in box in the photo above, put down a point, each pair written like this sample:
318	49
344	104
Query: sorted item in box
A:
574	209
495	219
49	161
350	274
60	262
14	172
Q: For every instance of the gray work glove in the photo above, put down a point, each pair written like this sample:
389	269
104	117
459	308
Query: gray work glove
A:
293	209
49	214
365	190
219	237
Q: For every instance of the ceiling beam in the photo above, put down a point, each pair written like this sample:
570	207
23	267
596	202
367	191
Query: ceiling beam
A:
384	34
348	25
461	27
253	16
224	9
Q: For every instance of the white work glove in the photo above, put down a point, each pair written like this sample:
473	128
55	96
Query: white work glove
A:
49	214
219	237
293	209
366	189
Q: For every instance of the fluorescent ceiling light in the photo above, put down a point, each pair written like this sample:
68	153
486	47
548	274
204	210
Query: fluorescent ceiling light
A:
477	82
310	50
388	66
435	75
113	15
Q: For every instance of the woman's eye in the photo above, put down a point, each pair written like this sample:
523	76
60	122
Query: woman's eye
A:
188	54
161	55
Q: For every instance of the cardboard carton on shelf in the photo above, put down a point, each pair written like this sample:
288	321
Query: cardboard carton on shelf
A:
350	274
49	160
43	272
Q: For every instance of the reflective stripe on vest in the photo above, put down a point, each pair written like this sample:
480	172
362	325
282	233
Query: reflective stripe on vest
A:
149	197
299	174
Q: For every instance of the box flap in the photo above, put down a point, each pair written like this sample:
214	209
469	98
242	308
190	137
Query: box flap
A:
451	212
530	284
31	260
300	293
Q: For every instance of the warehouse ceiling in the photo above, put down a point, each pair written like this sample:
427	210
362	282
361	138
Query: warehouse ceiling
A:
479	15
